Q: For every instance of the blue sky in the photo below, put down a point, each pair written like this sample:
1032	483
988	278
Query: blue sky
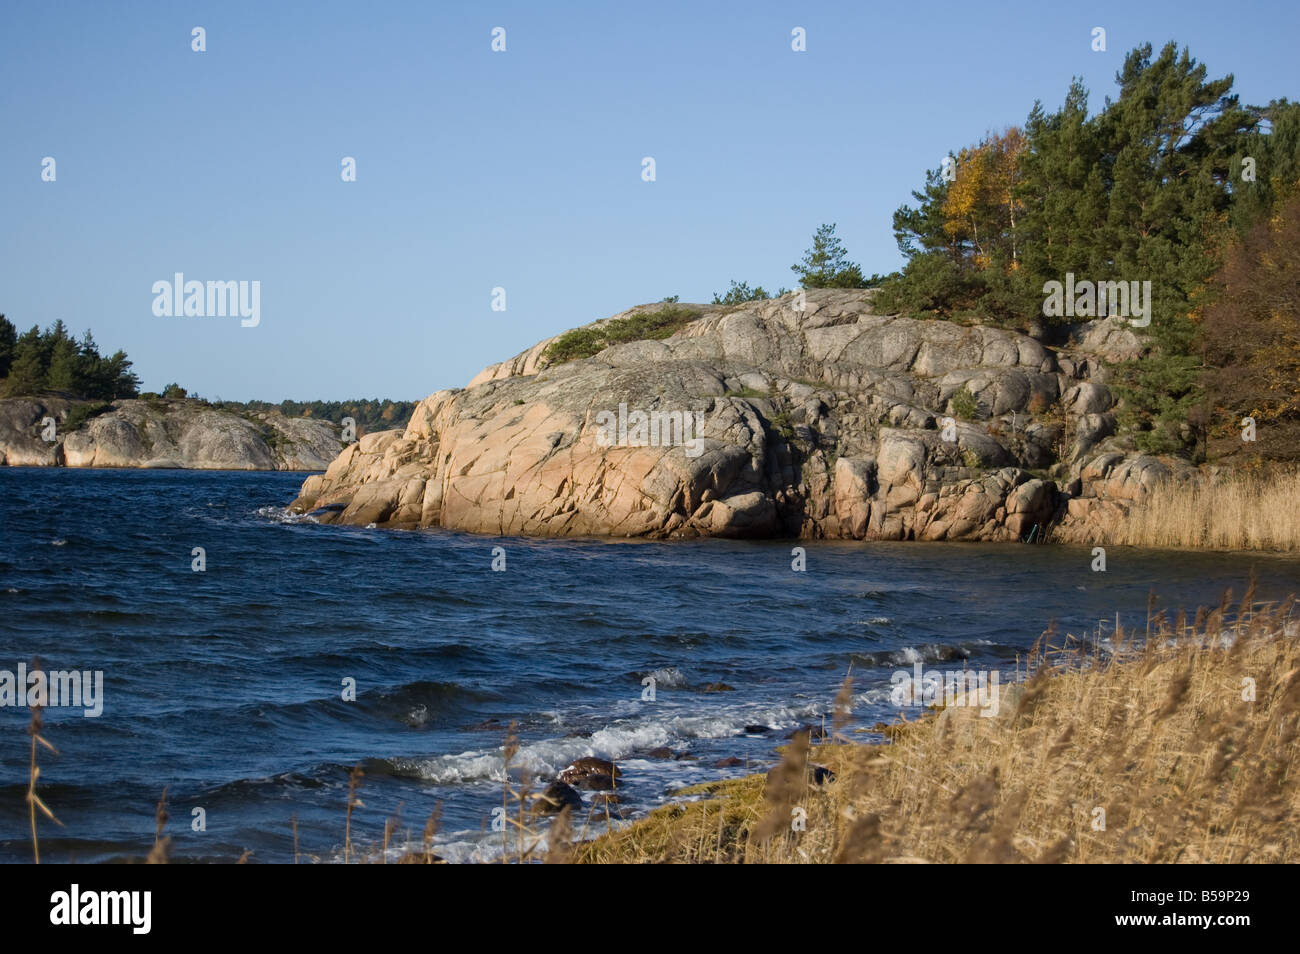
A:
519	169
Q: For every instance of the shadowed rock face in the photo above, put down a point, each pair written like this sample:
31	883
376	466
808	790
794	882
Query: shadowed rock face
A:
825	422
179	434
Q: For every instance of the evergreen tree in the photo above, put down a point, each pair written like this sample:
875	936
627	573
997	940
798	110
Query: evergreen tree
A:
125	382
826	264
53	360
1063	189
739	293
8	339
27	373
1273	149
64	372
1170	138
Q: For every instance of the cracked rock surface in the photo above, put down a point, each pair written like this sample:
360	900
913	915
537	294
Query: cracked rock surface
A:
830	421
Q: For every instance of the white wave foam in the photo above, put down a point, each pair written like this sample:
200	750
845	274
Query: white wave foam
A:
283	515
622	739
670	677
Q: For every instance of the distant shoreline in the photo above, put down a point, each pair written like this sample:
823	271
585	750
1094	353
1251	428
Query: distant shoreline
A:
160	433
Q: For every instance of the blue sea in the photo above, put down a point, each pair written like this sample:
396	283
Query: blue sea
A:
227	686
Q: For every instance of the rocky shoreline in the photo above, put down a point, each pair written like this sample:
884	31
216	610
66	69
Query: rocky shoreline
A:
826	421
159	433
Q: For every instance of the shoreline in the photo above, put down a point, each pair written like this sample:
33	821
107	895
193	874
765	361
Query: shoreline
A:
154	433
1182	750
1047	537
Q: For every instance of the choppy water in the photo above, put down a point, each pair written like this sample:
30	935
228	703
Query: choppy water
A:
226	685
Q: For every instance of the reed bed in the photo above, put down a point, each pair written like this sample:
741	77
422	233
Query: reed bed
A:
1244	511
1180	749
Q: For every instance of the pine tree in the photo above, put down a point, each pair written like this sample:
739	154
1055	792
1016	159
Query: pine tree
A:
64	371
27	373
739	293
1063	189
1169	141
826	264
8	339
125	382
1274	163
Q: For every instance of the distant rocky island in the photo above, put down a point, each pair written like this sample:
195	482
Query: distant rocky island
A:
808	415
161	433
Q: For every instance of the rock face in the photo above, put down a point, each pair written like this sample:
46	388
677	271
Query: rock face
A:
180	434
753	421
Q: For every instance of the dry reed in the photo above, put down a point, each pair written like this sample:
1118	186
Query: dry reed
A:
1181	749
1245	511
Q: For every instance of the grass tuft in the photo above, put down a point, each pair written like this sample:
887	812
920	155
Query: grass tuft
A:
647	325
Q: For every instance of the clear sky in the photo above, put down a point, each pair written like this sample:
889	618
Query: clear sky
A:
520	169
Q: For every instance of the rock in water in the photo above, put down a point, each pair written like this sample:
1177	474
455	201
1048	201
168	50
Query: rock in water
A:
556	798
759	420
592	773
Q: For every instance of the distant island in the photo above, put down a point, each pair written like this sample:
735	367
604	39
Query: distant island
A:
65	404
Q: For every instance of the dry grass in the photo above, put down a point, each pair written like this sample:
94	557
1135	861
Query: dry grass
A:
161	843
34	803
1156	758
1247	511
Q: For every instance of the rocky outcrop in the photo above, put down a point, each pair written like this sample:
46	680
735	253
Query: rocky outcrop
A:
752	421
38	432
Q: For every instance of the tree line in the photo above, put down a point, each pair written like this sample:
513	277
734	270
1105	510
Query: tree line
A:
37	362
1168	182
1174	181
52	360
